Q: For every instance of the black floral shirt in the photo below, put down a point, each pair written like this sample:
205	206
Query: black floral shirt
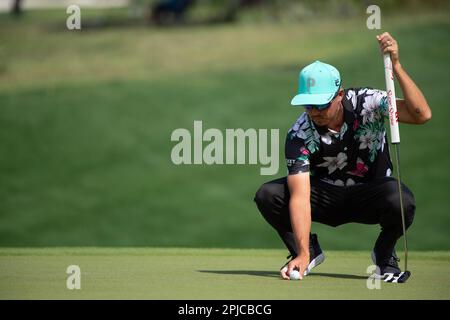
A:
356	154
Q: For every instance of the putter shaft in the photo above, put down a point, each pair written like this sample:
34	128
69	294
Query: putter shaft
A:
397	158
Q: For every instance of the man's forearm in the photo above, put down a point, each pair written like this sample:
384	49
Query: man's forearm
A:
300	214
414	99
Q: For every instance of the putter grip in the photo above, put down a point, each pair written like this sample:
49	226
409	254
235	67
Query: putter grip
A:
392	105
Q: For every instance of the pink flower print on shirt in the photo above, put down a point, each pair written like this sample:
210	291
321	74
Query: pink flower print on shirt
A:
304	151
355	124
360	169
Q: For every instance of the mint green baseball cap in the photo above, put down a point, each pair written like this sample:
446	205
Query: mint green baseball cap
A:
317	84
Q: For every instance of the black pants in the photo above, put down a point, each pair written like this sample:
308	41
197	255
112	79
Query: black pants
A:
376	202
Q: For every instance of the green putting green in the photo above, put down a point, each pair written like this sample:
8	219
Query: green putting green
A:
86	120
174	273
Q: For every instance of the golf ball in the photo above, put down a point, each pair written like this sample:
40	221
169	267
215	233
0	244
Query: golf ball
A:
294	275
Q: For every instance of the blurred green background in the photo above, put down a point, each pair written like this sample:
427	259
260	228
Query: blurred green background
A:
86	118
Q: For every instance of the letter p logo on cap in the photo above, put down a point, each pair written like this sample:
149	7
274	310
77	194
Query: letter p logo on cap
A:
310	82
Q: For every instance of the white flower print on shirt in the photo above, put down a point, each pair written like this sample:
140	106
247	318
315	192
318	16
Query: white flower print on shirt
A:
351	95
300	126
334	163
326	138
350	182
388	172
369	112
372	106
367	141
304	129
366	91
382	140
340	183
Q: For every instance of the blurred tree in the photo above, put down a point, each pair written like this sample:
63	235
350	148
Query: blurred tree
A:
16	8
166	11
233	7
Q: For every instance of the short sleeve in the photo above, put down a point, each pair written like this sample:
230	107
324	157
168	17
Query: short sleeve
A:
297	155
381	103
374	104
384	109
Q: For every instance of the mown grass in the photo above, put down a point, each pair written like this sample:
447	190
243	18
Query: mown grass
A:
151	273
86	119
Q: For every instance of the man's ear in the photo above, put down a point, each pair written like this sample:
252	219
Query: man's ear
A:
341	92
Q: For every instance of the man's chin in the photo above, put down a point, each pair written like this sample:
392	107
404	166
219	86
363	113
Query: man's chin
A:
320	122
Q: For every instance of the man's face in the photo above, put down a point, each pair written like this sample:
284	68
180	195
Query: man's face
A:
326	116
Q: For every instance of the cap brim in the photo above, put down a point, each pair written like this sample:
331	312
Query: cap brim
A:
315	99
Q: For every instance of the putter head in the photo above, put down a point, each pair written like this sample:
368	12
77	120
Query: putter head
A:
401	277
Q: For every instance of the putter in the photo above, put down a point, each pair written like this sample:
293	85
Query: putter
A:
395	140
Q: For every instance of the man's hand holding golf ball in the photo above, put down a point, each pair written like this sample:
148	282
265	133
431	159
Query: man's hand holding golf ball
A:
295	270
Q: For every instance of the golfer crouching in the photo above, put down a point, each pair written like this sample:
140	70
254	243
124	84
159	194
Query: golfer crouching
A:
339	166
